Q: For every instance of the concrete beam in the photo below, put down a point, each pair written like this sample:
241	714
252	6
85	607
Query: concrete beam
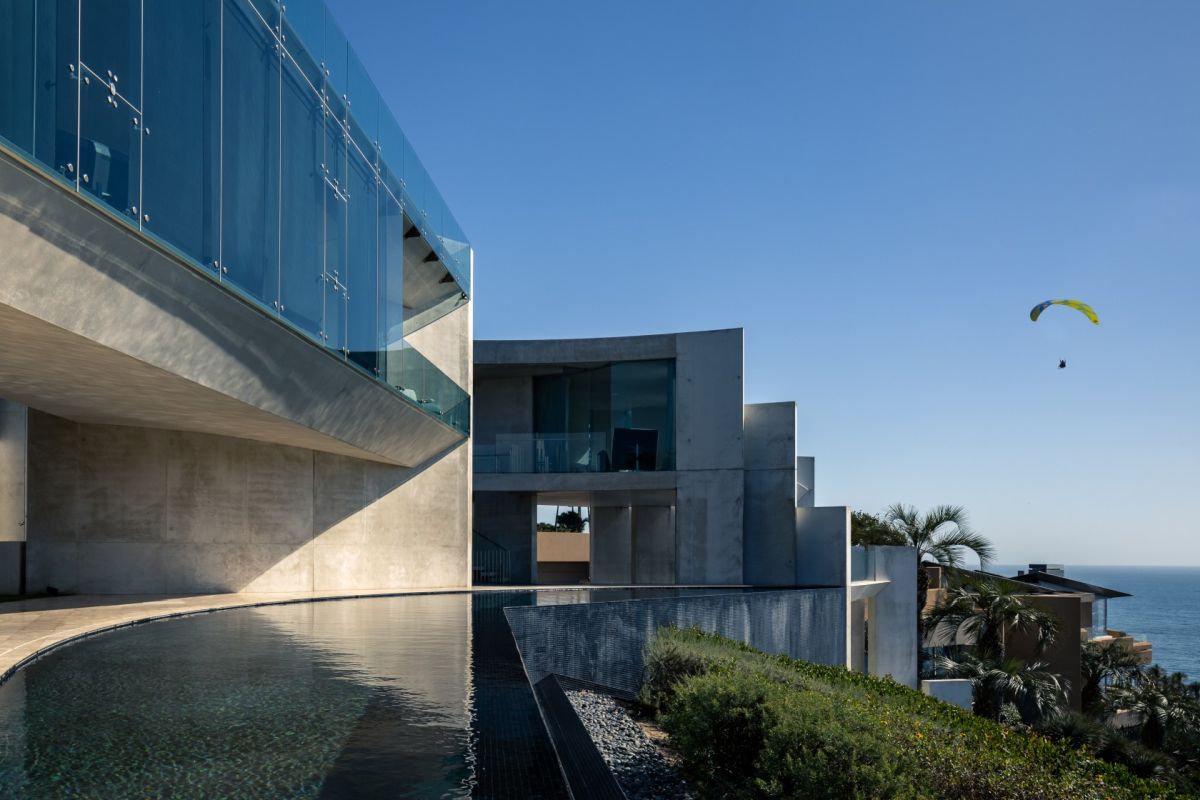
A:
101	325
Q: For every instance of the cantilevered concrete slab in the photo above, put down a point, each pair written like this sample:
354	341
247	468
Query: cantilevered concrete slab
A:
99	325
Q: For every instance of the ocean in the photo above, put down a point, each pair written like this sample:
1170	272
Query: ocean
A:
1164	608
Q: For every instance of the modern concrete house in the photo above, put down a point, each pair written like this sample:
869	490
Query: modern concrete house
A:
685	483
235	320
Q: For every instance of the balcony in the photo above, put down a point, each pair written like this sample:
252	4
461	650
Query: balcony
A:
244	139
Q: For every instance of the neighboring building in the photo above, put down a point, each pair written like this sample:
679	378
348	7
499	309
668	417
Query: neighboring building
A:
235	328
1081	610
684	483
1093	606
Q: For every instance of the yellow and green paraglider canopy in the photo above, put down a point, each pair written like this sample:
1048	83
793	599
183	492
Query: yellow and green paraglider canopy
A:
1082	308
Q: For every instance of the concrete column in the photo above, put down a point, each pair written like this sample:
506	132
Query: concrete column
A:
510	520
14	450
654	544
769	544
612	544
892	616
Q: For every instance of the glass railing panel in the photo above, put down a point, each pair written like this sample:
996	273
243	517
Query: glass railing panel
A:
182	112
18	44
110	147
302	197
390	227
544	453
335	57
364	103
426	387
111	45
250	155
361	276
304	25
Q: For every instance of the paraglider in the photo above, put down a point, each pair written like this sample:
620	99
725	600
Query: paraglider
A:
1082	308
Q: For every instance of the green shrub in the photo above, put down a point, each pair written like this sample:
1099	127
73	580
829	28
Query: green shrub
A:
751	725
668	662
721	721
819	749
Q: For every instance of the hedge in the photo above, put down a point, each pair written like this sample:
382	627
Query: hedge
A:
750	725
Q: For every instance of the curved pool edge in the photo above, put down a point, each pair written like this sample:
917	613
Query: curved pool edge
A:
32	629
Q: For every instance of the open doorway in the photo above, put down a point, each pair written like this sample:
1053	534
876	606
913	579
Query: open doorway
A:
563	545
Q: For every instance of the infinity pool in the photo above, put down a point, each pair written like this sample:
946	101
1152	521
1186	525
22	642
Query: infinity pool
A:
411	696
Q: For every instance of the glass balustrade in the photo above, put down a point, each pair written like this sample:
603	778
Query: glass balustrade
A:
246	137
544	452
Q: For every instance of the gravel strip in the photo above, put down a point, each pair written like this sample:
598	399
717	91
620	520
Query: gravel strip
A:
636	762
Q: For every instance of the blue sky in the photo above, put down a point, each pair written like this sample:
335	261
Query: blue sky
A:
877	193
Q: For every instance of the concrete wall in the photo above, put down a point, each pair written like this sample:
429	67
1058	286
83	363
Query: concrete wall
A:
510	520
769	547
125	510
560	546
604	642
612	544
13	450
1061	657
823	546
709	526
955	691
708	406
654	544
892	615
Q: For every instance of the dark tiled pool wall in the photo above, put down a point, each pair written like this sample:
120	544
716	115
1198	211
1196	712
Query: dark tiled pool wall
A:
583	766
603	642
511	750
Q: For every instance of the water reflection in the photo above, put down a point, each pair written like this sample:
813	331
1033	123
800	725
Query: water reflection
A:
413	696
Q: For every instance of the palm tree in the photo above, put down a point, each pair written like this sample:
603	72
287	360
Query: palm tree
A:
1163	701
941	534
1035	691
983	613
1102	664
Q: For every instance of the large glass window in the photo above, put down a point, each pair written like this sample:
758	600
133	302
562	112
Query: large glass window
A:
611	418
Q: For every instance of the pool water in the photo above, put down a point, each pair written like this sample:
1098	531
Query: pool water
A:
411	696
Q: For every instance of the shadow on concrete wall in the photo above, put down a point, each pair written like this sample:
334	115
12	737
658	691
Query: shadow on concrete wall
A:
116	509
